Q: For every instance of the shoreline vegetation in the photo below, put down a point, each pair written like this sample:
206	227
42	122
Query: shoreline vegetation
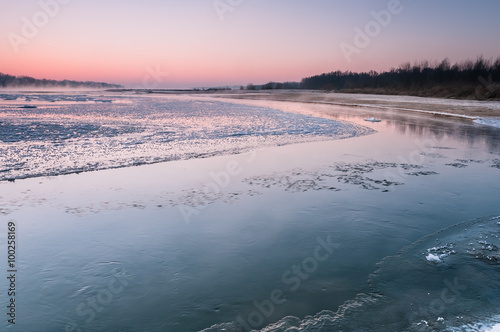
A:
472	80
13	82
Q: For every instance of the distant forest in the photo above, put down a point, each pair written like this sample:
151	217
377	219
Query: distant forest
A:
9	81
469	79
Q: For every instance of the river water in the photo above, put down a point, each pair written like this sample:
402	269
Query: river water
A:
343	225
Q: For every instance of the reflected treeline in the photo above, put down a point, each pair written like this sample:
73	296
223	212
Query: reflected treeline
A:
435	127
439	128
9	81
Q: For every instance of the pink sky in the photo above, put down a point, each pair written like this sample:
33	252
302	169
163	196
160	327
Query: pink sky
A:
192	44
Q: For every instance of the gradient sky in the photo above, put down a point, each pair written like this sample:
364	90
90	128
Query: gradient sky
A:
189	45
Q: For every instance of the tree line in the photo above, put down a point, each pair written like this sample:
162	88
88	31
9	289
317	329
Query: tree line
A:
9	81
467	79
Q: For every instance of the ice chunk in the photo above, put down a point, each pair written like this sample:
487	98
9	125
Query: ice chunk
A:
433	258
492	122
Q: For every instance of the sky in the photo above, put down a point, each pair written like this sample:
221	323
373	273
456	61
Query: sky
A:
203	43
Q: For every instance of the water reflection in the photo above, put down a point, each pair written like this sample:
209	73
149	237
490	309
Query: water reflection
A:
415	125
461	130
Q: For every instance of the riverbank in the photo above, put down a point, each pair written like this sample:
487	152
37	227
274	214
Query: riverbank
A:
435	106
